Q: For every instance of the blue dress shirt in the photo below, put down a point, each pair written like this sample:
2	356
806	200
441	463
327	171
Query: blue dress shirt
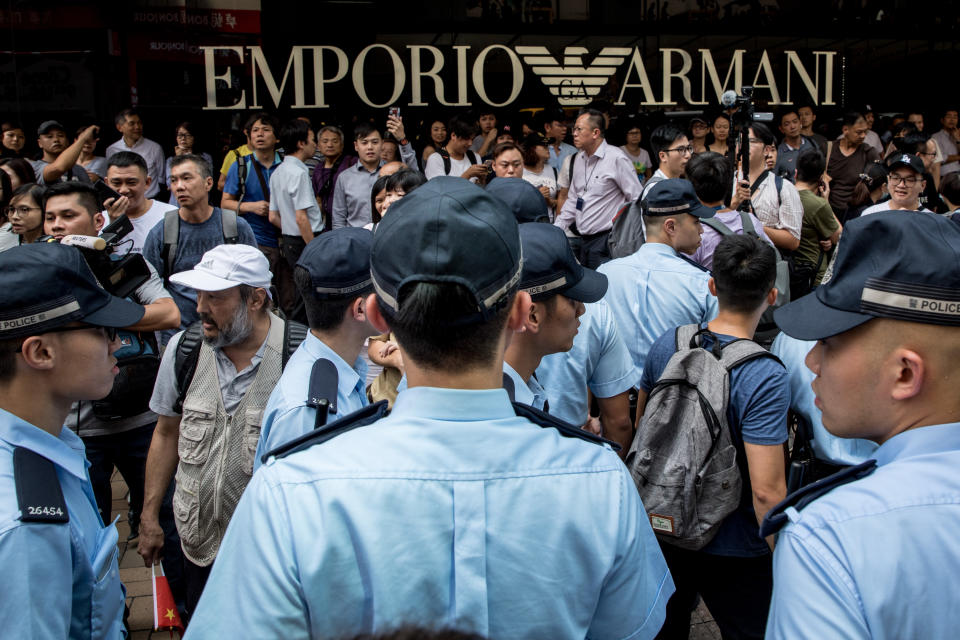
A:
826	446
452	511
529	393
287	415
60	579
654	290
879	557
599	359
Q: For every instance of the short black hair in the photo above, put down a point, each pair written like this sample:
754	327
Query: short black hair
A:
8	358
260	116
323	315
943	113
363	129
122	159
406	179
664	136
379	185
430	328
202	165
711	176
785	111
87	196
950	188
913	143
293	132
744	271
851	118
121	117
810	166
763	132
461	127
597	120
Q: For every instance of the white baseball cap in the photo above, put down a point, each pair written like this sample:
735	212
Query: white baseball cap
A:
226	266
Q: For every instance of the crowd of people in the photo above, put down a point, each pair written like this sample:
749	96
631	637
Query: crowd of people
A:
481	379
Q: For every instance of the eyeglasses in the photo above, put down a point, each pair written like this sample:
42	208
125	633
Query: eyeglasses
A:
681	150
184	135
896	179
21	210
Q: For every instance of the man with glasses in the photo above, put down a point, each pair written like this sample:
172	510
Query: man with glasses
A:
673	150
60	560
603	181
775	201
904	183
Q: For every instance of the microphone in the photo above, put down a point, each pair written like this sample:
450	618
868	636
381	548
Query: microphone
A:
84	242
729	98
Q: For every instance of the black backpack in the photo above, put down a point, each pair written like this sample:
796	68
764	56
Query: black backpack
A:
188	354
138	359
445	155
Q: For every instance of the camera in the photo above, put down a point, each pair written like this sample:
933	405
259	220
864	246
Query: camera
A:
121	276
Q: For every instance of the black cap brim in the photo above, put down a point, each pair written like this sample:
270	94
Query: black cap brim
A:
118	312
592	287
808	318
703	211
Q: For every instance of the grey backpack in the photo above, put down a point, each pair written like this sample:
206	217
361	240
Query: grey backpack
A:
626	234
683	459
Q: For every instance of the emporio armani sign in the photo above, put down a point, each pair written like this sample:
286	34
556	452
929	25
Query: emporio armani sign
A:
426	75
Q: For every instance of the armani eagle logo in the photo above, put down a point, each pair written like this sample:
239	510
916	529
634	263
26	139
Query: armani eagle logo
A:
574	83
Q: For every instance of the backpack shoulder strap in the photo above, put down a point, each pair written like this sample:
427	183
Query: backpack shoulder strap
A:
445	156
740	351
241	174
171	236
777	517
185	361
366	416
228	220
322	390
573	158
547	421
685	334
556	176
39	495
293	334
778	183
718	226
747	223
473	157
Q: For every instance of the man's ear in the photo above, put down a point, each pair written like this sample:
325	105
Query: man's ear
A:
910	376
519	311
38	353
374	316
772	296
712	285
98	221
357	309
670	226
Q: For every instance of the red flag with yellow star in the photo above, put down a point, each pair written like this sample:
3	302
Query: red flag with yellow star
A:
165	614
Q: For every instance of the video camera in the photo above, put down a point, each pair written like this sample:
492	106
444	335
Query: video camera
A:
121	276
744	116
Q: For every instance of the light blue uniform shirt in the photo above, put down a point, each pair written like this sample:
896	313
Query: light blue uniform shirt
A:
452	511
879	557
529	393
60	579
599	359
654	290
287	415
826	446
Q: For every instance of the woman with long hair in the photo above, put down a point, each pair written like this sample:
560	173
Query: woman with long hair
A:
435	139
718	138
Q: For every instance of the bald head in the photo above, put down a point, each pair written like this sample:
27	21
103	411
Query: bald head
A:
391	168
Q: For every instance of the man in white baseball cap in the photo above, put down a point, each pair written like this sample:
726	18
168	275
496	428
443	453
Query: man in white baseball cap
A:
212	387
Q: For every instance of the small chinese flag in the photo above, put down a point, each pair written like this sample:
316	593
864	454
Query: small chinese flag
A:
165	614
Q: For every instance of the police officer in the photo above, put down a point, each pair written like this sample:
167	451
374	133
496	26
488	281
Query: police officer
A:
333	278
454	511
877	557
59	560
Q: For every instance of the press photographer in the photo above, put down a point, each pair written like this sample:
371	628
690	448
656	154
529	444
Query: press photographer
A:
116	430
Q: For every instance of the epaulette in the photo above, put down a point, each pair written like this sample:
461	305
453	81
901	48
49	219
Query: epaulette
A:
566	429
692	262
363	417
777	517
39	495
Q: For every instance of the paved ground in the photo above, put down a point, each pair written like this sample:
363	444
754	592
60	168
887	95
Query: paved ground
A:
136	577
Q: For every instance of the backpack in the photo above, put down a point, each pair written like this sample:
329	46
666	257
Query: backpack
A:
171	235
138	359
782	283
626	234
682	458
241	174
445	156
188	354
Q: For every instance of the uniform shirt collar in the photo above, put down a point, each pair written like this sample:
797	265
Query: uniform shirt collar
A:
658	248
457	405
346	373
601	150
66	451
919	441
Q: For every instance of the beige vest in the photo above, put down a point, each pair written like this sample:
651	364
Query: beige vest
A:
217	449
